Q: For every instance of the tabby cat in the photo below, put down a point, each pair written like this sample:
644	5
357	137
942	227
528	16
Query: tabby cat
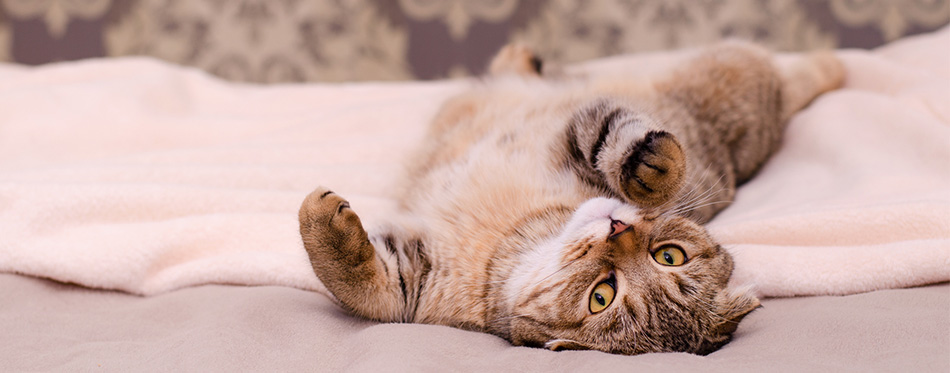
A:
566	213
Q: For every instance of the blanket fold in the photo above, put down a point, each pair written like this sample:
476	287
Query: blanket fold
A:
135	175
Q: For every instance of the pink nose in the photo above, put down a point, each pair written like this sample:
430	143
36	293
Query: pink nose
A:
617	227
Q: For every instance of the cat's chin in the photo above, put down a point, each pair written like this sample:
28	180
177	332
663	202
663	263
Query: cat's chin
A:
596	215
593	218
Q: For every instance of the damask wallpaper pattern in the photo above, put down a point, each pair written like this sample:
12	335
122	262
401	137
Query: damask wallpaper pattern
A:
270	41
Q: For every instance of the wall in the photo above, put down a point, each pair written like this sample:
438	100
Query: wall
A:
299	40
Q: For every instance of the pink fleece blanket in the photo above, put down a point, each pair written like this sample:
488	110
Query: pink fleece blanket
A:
136	175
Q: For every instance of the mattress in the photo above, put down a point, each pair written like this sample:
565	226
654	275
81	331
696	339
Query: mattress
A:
50	326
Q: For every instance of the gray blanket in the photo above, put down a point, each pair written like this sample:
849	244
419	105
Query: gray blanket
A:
50	326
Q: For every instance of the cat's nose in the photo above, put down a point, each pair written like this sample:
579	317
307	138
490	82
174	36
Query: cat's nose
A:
617	227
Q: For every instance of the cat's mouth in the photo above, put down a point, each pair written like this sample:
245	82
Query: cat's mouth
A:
618	227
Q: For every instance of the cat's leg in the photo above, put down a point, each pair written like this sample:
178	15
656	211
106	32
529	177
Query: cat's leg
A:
626	151
734	93
515	59
346	262
807	77
737	91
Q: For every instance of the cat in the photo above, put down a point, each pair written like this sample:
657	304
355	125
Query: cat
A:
567	213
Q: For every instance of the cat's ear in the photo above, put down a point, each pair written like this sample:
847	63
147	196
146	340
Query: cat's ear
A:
564	344
733	306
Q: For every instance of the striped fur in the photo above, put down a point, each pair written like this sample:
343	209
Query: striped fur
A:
529	192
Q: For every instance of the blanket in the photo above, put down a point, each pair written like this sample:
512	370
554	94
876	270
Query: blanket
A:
136	175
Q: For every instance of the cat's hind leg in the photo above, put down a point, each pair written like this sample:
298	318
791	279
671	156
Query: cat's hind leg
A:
346	262
808	77
743	98
515	59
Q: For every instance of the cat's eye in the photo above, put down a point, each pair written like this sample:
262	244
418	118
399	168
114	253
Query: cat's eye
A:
670	255
602	296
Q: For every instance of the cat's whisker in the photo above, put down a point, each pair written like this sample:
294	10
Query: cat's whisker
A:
686	209
696	200
696	185
689	194
710	190
686	199
708	204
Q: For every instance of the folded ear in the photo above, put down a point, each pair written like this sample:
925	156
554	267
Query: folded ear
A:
733	306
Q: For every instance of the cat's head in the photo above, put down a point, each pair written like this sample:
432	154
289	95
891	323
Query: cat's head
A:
622	281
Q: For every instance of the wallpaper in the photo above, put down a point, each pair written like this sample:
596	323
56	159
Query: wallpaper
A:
269	41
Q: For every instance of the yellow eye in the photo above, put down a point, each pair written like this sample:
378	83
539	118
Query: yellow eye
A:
670	255
601	297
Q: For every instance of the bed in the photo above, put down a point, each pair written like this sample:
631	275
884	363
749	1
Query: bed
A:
148	222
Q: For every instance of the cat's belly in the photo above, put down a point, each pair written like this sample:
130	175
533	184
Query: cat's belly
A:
472	203
471	207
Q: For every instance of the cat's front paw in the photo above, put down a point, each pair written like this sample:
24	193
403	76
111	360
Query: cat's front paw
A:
345	261
331	230
654	169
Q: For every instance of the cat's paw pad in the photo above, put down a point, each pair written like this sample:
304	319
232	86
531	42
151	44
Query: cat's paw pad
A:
328	223
654	170
515	59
